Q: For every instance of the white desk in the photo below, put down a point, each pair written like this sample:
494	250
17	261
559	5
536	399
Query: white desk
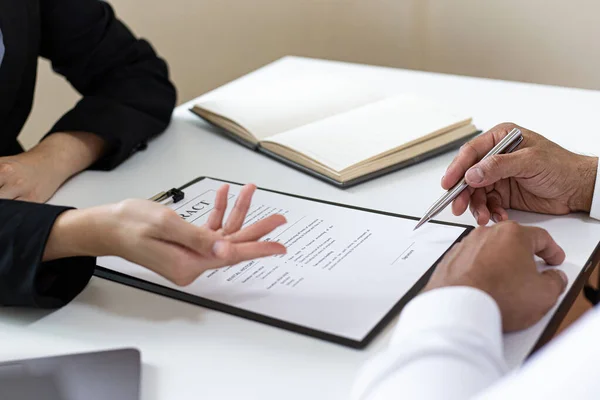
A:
191	352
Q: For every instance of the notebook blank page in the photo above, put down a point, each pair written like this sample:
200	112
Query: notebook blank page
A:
268	101
346	139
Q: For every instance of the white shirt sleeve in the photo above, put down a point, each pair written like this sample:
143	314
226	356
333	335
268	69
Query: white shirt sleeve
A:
447	345
595	210
566	368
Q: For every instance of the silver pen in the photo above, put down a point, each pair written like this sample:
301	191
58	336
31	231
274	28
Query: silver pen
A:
506	145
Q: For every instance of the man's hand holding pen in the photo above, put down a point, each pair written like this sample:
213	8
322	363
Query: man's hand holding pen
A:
538	176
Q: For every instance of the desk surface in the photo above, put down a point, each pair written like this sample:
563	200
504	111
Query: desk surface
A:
190	351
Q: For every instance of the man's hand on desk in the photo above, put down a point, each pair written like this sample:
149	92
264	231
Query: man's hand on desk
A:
154	236
499	260
539	176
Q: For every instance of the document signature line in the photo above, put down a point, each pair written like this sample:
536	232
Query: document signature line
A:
403	253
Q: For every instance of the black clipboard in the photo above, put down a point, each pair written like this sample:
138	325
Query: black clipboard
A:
342	185
213	305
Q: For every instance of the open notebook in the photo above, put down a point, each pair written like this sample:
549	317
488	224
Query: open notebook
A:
336	130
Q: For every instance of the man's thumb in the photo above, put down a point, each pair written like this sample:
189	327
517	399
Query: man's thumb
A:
495	168
554	283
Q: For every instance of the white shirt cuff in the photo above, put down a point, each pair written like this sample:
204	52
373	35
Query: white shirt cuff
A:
595	210
445	322
461	307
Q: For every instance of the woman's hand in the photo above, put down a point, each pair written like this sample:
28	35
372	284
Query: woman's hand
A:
36	175
155	237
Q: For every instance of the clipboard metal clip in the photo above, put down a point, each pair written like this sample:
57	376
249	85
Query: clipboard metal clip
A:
176	194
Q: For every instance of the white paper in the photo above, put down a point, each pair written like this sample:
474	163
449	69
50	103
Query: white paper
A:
347	139
344	270
267	102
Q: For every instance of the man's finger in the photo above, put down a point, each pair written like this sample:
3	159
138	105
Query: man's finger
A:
494	204
544	246
257	230
471	152
238	214
547	289
498	167
503	189
479	207
551	284
461	203
556	282
215	219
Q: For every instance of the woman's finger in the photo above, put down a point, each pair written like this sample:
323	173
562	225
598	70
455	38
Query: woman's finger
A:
172	229
215	219
238	214
232	253
257	230
169	260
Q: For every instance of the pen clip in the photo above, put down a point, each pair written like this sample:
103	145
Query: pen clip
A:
176	194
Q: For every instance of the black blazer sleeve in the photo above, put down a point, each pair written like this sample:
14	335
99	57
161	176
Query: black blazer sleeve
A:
127	95
24	279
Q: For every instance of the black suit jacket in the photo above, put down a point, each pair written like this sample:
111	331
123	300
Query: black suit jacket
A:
126	99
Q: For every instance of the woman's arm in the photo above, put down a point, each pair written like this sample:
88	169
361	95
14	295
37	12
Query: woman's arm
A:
127	99
47	252
25	280
127	95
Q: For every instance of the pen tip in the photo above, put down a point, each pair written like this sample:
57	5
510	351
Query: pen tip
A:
419	224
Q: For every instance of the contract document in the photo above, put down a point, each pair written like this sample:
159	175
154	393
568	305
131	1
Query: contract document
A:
347	272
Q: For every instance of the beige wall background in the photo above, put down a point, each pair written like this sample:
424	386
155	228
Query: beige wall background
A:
210	42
